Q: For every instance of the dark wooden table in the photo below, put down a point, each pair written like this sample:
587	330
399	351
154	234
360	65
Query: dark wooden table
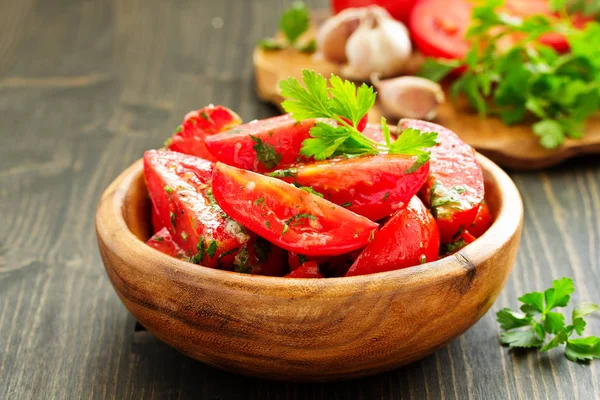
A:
85	87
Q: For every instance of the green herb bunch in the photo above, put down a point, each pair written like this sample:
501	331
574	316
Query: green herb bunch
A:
528	81
293	23
341	101
540	320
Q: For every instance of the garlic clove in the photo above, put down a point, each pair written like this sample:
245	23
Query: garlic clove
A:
379	45
334	33
409	97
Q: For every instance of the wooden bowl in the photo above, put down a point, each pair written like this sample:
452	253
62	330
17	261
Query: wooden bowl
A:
304	329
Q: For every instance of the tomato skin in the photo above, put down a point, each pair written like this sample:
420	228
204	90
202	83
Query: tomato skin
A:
371	186
157	223
309	269
283	134
331	266
163	242
482	222
409	238
178	185
291	218
438	28
399	9
454	174
197	125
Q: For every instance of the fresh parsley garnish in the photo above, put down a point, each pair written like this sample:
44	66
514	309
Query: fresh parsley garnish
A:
529	80
293	23
265	153
344	103
539	320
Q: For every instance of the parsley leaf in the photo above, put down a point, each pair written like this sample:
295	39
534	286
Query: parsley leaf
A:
265	153
345	105
525	330
295	21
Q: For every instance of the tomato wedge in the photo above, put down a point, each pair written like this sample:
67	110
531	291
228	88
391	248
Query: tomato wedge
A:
197	125
409	238
287	216
482	222
371	186
163	242
157	223
261	145
331	266
438	27
455	186
309	269
179	188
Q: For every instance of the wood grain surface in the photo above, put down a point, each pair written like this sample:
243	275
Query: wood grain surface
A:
85	87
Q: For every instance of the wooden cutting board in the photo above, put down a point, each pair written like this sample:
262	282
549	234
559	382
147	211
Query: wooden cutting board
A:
510	146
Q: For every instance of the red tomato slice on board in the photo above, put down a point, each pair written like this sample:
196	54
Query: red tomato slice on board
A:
289	217
179	188
371	186
482	222
309	269
163	242
260	257
399	9
455	186
529	8
261	145
409	238
438	27
197	125
450	248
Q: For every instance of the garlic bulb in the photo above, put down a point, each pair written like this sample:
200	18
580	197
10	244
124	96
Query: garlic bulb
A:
409	97
333	34
379	45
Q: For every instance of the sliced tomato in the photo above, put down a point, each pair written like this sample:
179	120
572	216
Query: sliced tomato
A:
399	9
289	217
260	257
542	7
197	125
454	188
371	186
409	238
157	223
163	242
331	266
309	269
179	187
482	222
438	27
261	145
464	239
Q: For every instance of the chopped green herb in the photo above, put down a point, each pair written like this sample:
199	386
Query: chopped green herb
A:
173	220
212	249
346	204
201	251
372	236
302	259
168	142
452	247
184	236
260	201
265	153
308	189
205	116
385	197
285	229
225	254
241	262
284	173
296	219
168	189
158	239
268	224
422	259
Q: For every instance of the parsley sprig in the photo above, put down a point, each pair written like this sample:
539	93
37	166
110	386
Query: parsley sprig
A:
341	101
528	81
293	23
539	320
